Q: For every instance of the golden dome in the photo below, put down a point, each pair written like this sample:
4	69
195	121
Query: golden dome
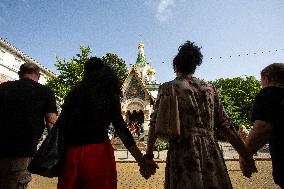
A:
141	45
151	71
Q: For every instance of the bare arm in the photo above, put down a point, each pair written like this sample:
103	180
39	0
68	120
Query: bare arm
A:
50	119
259	135
247	163
235	140
151	135
224	124
136	153
151	141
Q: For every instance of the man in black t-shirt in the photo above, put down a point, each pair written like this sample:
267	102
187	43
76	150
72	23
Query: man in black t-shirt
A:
268	118
26	108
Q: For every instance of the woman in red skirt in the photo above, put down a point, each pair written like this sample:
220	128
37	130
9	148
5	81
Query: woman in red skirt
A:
90	107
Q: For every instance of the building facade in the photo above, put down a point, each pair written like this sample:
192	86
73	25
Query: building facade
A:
140	89
12	58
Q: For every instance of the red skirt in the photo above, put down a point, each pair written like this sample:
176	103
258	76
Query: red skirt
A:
88	167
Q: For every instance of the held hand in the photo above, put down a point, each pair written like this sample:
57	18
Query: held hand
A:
148	168
247	166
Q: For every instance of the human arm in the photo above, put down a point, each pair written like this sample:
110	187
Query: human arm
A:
262	117
50	119
234	139
51	111
150	143
258	136
151	134
147	167
247	163
223	123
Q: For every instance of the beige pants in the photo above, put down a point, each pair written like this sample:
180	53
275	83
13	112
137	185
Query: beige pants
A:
14	173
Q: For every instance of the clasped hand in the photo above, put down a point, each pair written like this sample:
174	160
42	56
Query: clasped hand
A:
147	168
247	166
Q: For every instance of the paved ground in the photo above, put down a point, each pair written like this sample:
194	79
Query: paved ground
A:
228	153
129	178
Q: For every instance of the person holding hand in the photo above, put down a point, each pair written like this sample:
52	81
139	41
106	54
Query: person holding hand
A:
194	159
268	118
89	109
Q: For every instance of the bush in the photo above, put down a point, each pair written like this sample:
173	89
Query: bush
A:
160	145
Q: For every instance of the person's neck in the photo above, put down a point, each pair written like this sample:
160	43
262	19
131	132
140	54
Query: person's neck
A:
276	84
181	75
30	76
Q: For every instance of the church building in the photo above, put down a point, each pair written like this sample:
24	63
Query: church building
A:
140	89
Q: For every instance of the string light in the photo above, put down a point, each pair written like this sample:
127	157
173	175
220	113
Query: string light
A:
247	54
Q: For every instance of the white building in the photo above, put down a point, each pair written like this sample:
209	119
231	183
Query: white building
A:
12	58
140	89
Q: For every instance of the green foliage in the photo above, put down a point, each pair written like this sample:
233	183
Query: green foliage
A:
71	72
117	64
160	145
237	95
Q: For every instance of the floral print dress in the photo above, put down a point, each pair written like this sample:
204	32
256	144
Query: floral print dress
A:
194	160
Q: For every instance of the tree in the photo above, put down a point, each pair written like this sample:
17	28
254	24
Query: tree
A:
70	72
117	64
237	95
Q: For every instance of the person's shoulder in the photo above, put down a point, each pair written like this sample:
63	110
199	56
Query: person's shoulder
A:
7	84
264	95
163	85
43	88
203	85
271	92
200	82
267	91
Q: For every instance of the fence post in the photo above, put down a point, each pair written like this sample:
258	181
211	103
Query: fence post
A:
158	157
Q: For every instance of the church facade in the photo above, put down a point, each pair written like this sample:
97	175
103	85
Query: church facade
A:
140	89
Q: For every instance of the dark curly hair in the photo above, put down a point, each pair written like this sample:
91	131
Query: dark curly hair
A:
188	58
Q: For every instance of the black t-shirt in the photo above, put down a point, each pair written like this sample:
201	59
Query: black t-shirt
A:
269	106
23	106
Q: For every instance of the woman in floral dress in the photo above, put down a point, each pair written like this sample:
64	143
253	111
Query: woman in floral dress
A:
194	160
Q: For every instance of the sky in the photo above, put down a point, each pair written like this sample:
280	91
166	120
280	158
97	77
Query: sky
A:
238	37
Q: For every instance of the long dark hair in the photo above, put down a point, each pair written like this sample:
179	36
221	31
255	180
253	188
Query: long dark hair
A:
98	90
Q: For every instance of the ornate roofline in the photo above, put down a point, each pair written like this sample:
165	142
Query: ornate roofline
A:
133	69
25	57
